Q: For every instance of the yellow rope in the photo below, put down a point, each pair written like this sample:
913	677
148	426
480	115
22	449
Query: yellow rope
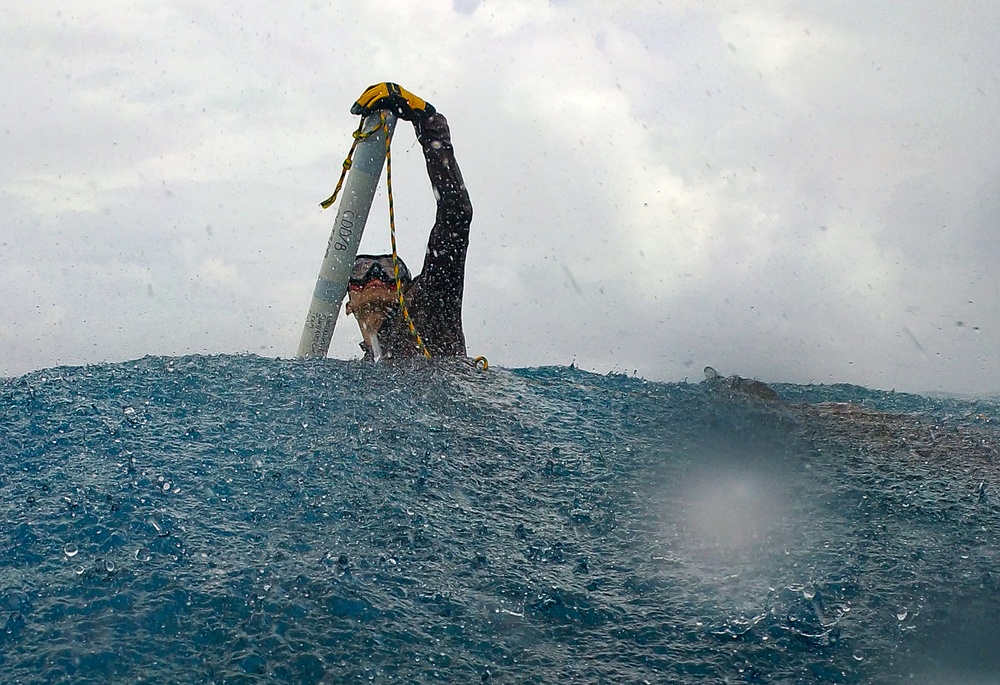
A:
359	135
392	236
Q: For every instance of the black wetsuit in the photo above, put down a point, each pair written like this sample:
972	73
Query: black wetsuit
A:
434	297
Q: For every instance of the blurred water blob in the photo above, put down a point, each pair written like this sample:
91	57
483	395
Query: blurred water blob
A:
735	509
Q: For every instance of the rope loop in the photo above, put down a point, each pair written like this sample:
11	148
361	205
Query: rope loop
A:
349	161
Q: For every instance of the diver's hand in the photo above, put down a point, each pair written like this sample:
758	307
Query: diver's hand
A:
393	98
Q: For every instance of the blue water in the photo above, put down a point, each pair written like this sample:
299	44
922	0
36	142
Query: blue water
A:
236	519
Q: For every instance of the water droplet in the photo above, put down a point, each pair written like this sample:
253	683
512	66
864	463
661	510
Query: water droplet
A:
808	592
902	614
160	531
79	570
858	656
70	550
166	487
109	566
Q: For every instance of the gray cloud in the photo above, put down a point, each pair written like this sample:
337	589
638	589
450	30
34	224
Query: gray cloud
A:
801	193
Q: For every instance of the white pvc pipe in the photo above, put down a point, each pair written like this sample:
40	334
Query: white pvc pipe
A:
355	203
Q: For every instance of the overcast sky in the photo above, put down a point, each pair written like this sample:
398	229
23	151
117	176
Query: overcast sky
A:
795	191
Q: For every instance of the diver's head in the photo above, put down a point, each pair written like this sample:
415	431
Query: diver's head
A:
371	289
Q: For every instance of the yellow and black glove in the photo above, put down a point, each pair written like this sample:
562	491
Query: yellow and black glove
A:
393	98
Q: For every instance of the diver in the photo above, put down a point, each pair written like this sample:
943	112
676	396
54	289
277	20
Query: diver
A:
433	298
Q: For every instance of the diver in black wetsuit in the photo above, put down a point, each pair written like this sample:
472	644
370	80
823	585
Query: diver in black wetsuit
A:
434	297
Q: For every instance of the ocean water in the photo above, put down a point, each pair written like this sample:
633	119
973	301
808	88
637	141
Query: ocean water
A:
236	519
